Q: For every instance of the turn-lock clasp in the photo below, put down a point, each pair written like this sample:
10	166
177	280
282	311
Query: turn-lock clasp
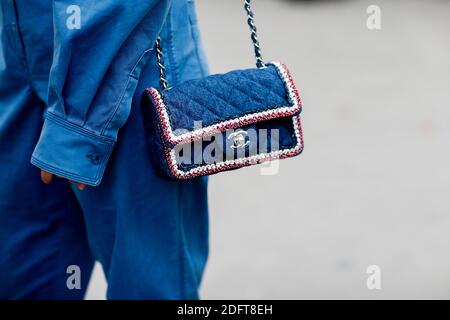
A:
238	138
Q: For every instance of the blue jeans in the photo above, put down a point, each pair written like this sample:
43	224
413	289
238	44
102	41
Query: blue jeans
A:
150	235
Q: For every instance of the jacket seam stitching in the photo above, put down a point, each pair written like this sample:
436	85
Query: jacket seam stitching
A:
76	129
126	88
196	38
117	106
69	174
173	63
93	180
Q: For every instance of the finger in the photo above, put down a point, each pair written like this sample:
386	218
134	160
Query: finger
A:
46	177
81	186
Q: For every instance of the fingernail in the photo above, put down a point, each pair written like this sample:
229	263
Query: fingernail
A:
81	186
46	177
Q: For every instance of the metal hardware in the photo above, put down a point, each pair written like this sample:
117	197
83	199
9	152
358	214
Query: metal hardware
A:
254	36
162	70
238	138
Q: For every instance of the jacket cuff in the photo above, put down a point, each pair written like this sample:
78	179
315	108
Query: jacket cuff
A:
71	151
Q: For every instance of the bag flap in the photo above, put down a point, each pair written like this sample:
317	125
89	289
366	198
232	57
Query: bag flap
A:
203	107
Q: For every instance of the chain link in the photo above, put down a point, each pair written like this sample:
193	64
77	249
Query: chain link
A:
162	69
254	36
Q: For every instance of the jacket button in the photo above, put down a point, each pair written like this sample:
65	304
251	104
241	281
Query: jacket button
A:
95	158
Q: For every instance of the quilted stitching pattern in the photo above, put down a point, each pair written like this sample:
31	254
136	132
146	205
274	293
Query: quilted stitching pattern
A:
217	98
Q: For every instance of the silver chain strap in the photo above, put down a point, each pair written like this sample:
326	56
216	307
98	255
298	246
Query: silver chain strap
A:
162	70
254	36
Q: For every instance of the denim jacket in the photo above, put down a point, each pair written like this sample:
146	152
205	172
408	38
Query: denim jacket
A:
99	51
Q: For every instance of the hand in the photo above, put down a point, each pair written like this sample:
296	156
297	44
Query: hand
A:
47	177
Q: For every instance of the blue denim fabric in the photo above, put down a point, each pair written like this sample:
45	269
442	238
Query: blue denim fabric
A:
62	104
215	99
284	140
221	97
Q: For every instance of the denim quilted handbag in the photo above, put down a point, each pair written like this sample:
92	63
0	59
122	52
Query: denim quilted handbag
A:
223	121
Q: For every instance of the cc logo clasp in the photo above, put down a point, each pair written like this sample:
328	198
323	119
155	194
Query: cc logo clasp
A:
238	138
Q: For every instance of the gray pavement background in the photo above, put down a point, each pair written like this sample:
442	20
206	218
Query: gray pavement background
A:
372	186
